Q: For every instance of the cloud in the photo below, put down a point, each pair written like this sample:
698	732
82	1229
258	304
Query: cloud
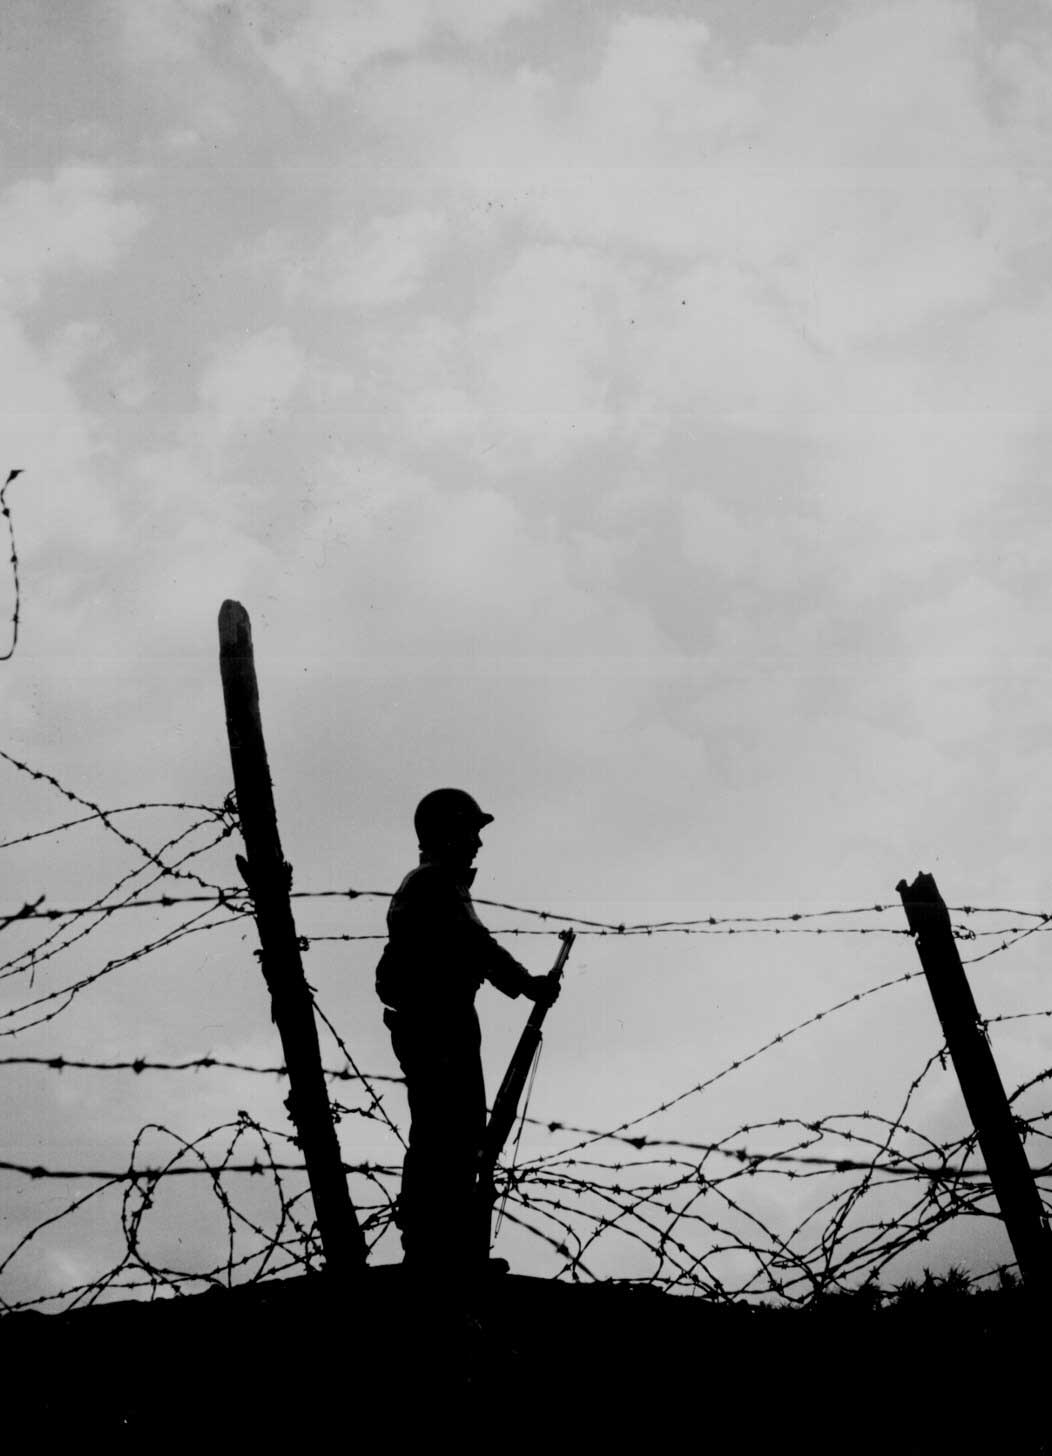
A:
73	223
130	383
183	55
659	91
67	229
475	575
540	353
169	31
82	343
249	382
323	44
47	432
860	174
686	245
568	348
75	343
364	267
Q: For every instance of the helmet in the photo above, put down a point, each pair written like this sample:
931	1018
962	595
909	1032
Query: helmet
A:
445	811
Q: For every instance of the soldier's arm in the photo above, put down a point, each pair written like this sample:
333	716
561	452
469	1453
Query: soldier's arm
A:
500	968
439	912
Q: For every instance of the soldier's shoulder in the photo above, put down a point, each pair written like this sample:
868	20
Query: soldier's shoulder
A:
422	881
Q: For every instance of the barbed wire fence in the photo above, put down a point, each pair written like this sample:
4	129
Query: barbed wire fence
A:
706	1217
695	1216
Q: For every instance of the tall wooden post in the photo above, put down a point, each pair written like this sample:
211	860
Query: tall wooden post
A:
999	1140
269	880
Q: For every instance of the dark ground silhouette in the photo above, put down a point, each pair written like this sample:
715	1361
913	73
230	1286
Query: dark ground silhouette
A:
531	1362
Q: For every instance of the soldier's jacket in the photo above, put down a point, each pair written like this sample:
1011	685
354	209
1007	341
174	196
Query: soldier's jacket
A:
438	951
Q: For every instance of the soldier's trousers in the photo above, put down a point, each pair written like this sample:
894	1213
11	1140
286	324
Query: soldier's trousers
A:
439	1212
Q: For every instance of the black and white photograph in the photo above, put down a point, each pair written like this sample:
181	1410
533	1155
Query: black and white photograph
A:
524	562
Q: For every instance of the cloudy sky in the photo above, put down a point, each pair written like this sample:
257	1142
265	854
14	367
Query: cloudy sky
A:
635	414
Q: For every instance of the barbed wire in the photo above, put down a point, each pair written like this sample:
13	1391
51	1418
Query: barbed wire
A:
5	511
100	814
712	925
377	1103
30	960
786	923
233	895
106	820
27	912
586	1202
574	1205
37	1171
591	1135
1006	944
251	1247
687	1208
138	1065
861	1190
66	995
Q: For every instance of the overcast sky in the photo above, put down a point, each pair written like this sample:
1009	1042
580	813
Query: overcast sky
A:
637	415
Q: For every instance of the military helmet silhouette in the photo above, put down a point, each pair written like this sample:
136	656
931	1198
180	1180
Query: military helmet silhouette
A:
446	811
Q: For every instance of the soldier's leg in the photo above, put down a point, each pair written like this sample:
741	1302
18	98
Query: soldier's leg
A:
411	1048
453	1121
447	1105
467	1103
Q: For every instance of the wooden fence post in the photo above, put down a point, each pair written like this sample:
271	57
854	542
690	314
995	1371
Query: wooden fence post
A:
999	1141
269	881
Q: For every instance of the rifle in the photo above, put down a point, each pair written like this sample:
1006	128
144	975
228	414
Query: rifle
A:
509	1094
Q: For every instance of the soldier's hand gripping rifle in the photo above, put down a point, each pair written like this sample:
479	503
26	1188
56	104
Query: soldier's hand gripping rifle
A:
509	1094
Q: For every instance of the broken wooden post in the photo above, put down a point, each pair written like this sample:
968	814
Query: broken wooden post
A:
269	880
984	1095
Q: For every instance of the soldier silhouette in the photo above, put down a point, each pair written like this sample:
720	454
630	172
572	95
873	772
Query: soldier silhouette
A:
437	955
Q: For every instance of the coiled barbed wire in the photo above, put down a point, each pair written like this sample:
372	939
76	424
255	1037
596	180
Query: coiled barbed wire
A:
853	1193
